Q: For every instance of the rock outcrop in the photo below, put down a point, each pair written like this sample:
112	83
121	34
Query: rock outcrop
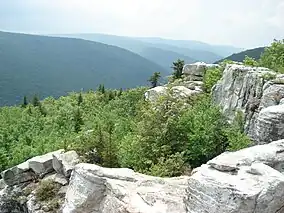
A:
247	181
190	84
196	71
20	183
250	90
250	180
103	190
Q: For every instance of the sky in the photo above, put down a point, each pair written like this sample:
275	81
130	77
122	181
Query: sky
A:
241	23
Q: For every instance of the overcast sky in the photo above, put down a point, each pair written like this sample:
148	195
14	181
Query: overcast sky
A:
242	23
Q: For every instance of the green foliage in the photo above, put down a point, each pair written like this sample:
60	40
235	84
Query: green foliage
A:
177	68
269	76
211	77
201	127
249	61
118	129
80	99
273	56
154	79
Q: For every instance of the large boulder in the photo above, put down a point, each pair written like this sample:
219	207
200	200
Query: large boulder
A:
177	92
269	124
183	92
249	90
196	71
64	163
18	174
42	165
246	181
103	190
155	93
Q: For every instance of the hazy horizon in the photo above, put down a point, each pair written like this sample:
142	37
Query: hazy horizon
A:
241	24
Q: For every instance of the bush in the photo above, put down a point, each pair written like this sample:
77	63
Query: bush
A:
211	77
273	56
46	190
250	61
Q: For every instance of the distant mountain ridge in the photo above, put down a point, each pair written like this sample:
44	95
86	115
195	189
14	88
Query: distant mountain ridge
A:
190	51
51	66
253	53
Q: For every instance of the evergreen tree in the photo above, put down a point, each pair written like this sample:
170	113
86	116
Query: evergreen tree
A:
35	101
80	99
25	102
154	79
178	67
78	120
103	89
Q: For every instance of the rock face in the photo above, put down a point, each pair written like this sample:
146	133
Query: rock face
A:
246	181
64	163
250	90
102	190
17	189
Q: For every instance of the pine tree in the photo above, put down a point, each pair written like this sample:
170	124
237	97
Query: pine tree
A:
103	89
78	120
80	99
154	79
35	101
178	67
25	102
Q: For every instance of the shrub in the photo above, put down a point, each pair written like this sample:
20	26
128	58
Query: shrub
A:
211	77
273	56
250	61
46	190
269	76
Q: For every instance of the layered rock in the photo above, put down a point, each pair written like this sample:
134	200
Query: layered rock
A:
103	190
196	71
250	180
17	192
250	90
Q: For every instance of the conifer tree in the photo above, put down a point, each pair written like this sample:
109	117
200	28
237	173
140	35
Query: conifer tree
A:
25	102
154	79
80	99
178	67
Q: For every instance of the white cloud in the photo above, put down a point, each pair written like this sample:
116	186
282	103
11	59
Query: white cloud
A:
240	23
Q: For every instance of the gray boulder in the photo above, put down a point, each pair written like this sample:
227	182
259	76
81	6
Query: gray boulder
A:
155	93
183	92
246	181
103	190
269	124
18	174
64	163
196	71
42	165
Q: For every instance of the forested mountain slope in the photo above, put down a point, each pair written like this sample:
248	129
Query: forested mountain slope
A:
51	66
